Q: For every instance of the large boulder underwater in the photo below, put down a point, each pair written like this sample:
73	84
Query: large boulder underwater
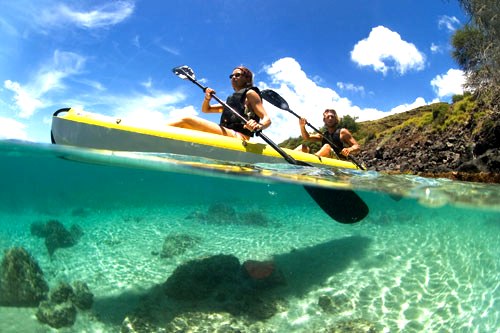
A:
21	279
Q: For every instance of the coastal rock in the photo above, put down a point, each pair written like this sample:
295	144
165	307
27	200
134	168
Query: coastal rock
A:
469	151
21	280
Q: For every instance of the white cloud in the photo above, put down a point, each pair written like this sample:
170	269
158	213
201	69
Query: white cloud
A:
383	47
148	83
435	48
29	97
449	23
26	103
106	15
91	83
419	101
449	84
12	129
8	28
136	41
152	111
170	50
306	98
351	87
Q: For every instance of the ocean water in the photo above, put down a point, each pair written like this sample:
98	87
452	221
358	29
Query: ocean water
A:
425	259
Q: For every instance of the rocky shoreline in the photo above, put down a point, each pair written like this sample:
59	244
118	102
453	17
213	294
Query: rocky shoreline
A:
465	153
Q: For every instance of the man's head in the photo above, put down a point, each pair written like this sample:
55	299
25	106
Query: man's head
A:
330	118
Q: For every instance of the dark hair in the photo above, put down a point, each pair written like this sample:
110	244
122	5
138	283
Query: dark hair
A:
247	74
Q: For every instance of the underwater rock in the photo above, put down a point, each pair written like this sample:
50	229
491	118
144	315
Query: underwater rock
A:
137	324
325	303
334	304
353	326
62	293
56	315
56	235
81	212
254	218
262	274
38	229
80	294
219	213
76	232
60	310
174	245
222	213
197	279
213	294
261	308
21	280
82	297
258	269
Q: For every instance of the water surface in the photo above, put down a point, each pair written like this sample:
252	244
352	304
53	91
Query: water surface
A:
425	259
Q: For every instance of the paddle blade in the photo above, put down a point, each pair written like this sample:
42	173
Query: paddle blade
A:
275	99
344	206
184	72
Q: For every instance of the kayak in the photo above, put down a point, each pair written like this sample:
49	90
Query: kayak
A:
79	128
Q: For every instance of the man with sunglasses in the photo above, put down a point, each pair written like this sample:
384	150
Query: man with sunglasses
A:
344	142
246	100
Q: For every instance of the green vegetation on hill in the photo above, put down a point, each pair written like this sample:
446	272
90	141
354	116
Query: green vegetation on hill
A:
436	117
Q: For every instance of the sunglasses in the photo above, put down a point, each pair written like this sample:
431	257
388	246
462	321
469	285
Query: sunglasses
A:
236	75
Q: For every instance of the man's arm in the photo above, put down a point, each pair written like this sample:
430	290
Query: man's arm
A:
348	139
305	135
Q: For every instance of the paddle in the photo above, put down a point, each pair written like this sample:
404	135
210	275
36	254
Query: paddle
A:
275	99
344	206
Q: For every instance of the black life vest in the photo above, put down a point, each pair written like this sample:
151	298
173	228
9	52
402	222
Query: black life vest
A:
237	101
335	138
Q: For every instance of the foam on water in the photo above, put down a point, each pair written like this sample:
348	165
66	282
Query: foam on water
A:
426	260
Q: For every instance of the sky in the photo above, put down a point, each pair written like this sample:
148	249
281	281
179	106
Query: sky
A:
366	59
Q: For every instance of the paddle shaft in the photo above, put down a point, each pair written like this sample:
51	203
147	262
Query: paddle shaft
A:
280	151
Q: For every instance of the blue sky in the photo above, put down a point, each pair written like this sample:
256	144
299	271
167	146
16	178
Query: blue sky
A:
368	59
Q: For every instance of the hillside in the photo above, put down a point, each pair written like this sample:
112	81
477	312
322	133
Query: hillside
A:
459	141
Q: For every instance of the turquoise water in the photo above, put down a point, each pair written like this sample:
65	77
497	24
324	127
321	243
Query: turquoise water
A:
425	259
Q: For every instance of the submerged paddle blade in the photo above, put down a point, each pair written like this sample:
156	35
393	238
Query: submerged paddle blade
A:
183	72
275	99
344	206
